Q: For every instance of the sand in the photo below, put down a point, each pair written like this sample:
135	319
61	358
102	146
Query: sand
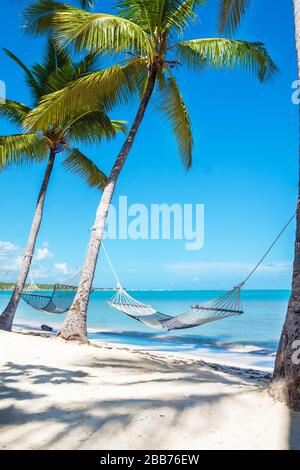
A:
56	395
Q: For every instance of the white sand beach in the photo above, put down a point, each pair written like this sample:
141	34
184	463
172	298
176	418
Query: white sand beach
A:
56	395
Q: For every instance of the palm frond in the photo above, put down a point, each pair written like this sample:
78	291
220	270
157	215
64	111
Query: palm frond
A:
90	63
145	13
87	3
59	79
55	57
14	111
181	14
104	32
119	126
108	88
22	149
92	127
174	110
30	79
57	63
67	73
77	163
157	16
56	70
38	16
161	78
227	53
86	30
230	15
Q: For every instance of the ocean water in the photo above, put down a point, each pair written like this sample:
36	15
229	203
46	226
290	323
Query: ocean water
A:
250	340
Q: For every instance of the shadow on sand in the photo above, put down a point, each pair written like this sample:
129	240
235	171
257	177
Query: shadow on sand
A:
93	416
117	412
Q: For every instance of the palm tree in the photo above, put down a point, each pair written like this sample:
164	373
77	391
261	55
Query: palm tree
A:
148	34
89	125
286	376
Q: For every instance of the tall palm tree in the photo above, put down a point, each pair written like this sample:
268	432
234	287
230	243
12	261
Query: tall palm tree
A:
148	34
286	377
89	125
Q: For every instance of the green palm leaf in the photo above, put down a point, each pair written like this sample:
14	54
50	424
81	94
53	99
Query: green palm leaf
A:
55	61
40	79
38	16
174	110
119	126
145	13
68	72
157	16
230	15
30	79
58	70
77	163
105	32
180	16
86	30
22	149
92	126
109	87
227	53
58	79
14	111
90	63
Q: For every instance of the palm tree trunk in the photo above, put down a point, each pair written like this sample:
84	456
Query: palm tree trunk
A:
75	326
286	378
7	317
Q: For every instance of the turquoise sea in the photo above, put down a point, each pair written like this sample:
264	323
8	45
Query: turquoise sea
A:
249	340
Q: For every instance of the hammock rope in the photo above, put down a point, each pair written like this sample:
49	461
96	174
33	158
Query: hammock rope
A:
225	306
32	286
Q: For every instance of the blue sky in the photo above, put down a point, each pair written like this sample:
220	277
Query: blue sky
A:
244	171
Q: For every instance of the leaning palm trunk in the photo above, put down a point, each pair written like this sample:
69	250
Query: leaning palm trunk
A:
286	379
75	325
7	317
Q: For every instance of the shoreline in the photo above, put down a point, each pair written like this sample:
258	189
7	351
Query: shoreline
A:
59	395
237	356
260	376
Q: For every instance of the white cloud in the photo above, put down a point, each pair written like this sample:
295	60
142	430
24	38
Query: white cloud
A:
7	248
13	265
43	253
62	268
10	257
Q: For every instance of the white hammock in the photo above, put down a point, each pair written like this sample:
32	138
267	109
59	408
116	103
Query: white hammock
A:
225	306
